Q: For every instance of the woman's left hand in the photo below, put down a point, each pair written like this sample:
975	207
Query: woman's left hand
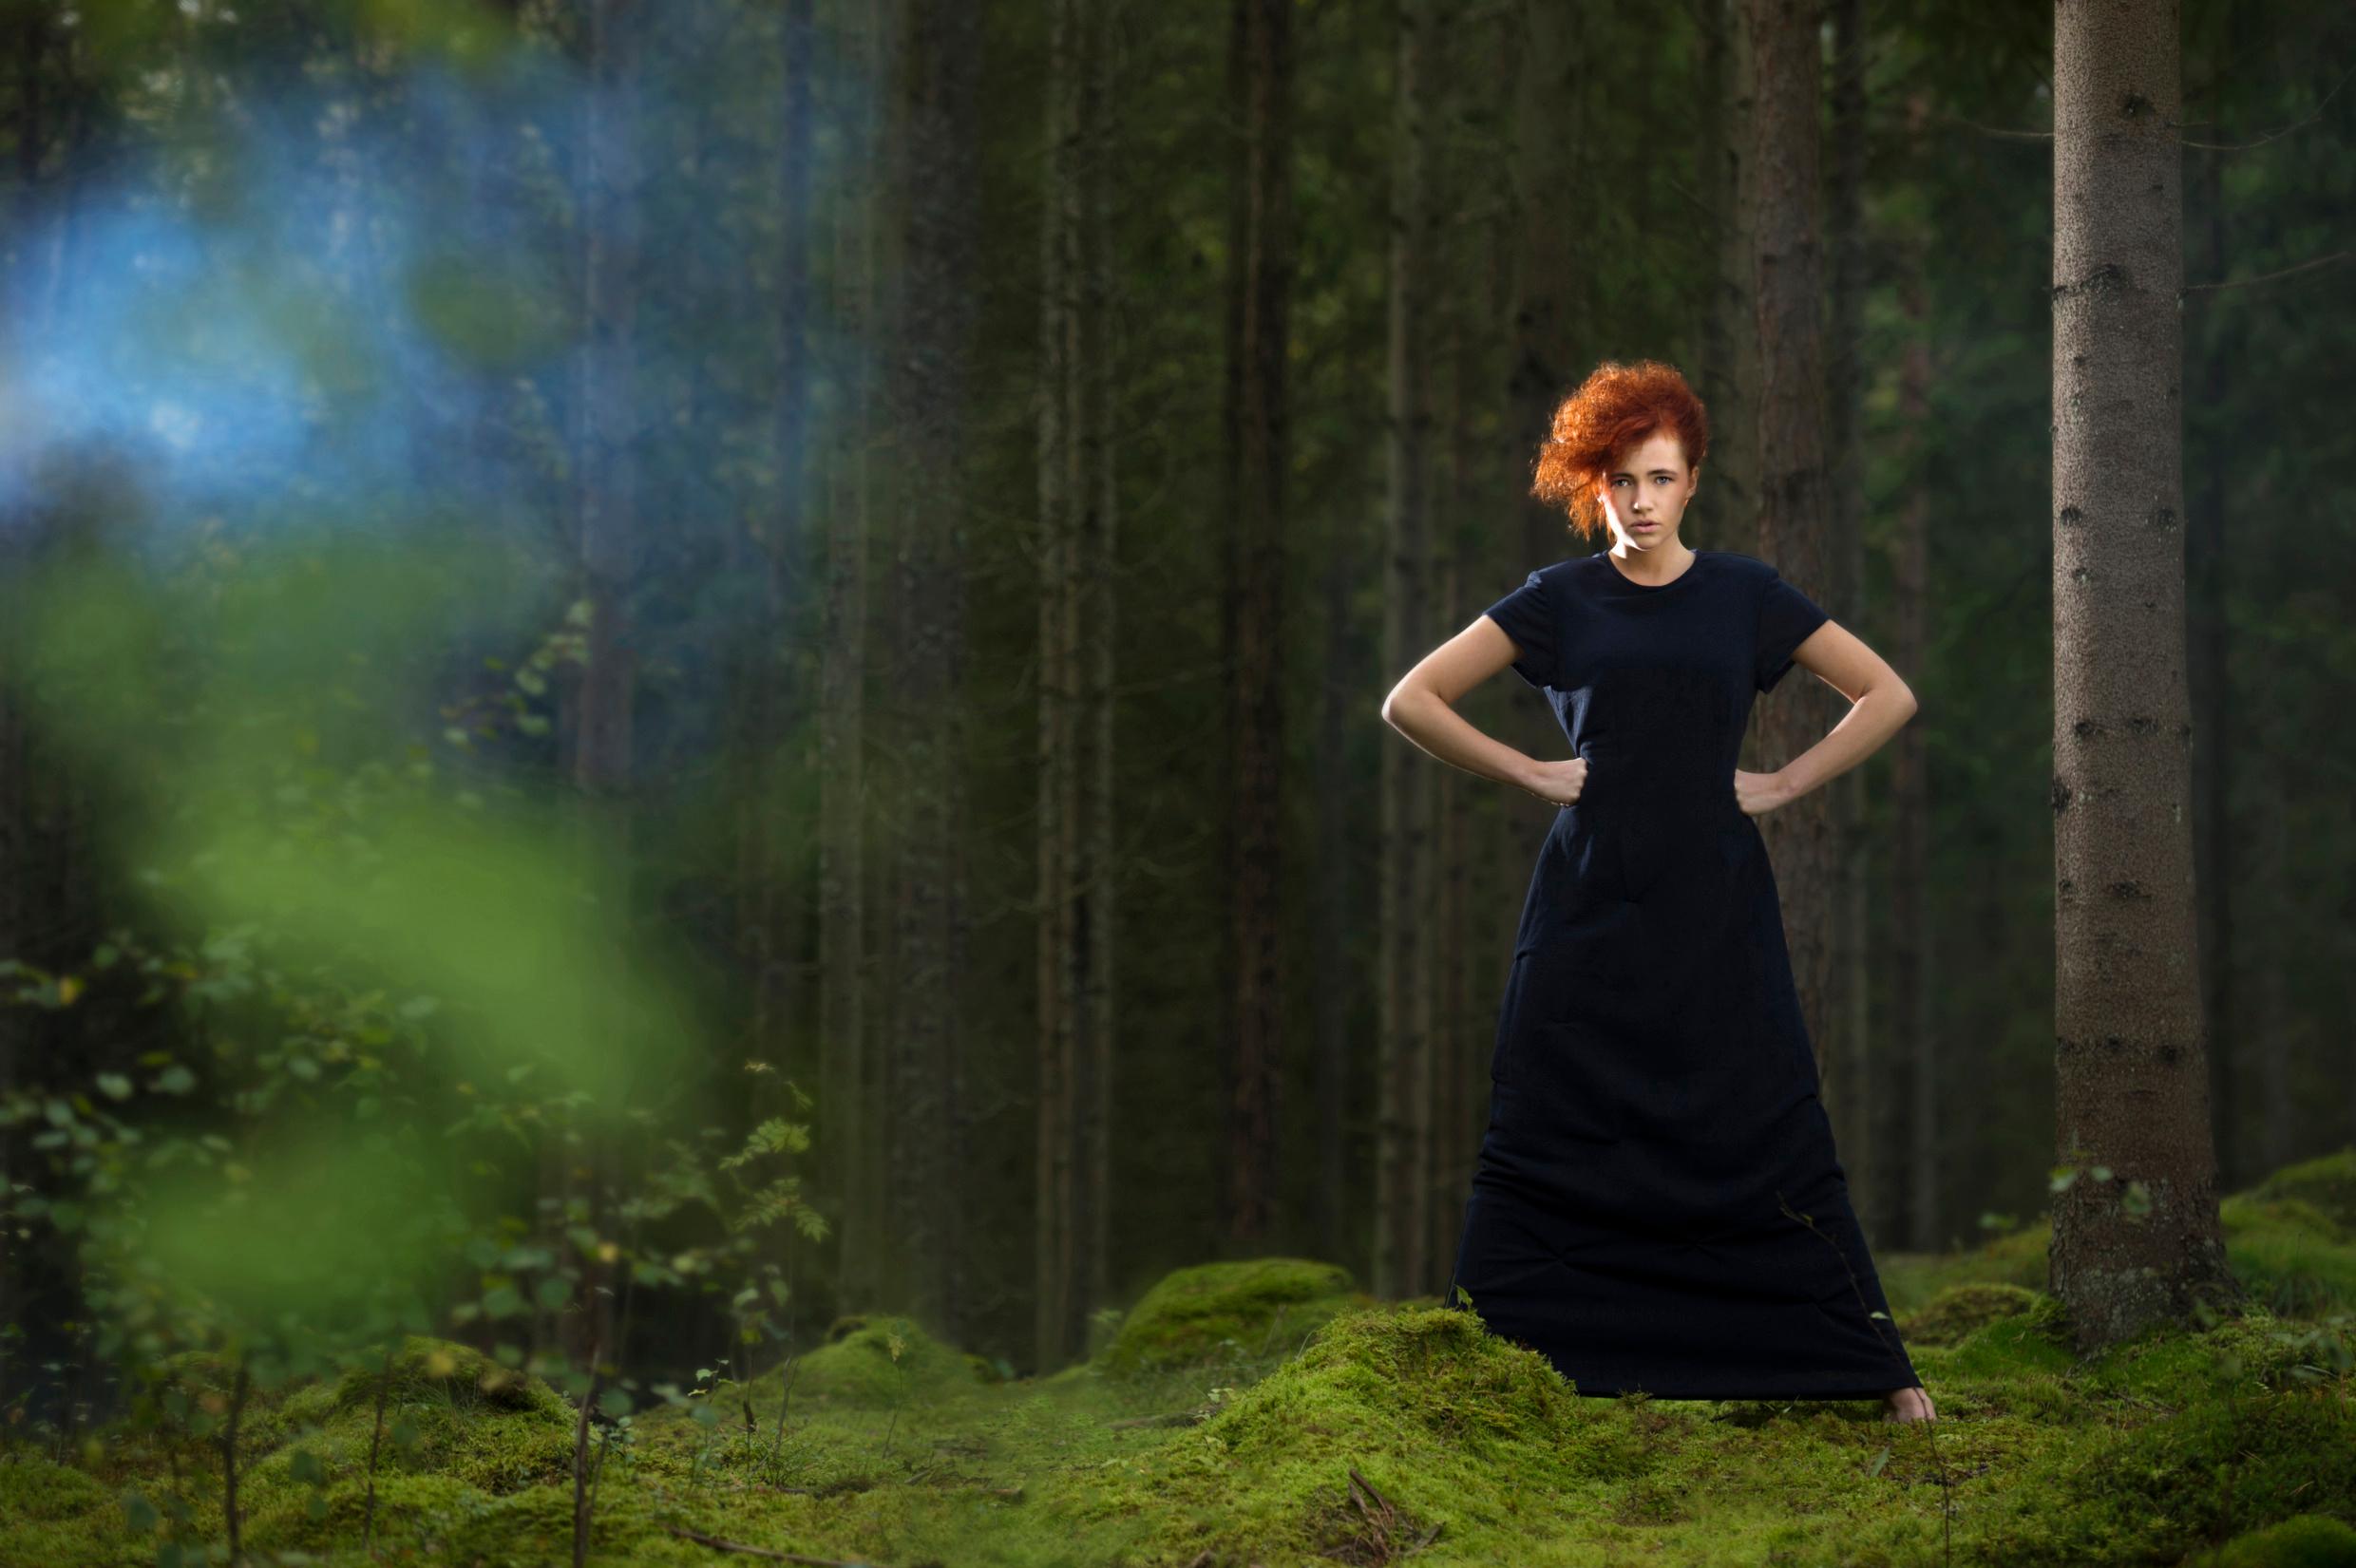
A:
1759	793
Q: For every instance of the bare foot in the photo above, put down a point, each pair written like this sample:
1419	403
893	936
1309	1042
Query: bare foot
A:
1908	1405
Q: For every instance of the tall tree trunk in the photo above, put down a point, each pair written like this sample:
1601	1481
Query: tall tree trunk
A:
1908	1189
768	913
2141	1244
607	501
1556	77
1339	1201
931	1154
1099	532
1725	97
1054	1292
852	1116
2274	1023
1257	453
1403	1044
16	841
2210	691
1849	1053
1793	489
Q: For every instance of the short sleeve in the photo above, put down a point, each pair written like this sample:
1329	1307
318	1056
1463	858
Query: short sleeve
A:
1786	616
1528	616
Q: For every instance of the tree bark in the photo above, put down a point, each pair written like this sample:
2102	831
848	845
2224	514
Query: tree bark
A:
853	1140
2209	688
1793	489
931	1138
1725	100
1403	1044
1847	1053
1257	451
1054	1293
2136	1236
1099	603
1908	1189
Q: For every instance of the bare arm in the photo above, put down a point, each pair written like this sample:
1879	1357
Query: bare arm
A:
1422	708
1880	703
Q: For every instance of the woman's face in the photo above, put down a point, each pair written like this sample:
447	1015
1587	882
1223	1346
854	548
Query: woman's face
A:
1646	493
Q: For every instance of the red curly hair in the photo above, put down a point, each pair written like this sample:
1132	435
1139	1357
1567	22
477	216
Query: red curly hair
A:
1618	407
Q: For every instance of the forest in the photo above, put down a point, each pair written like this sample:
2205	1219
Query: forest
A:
709	849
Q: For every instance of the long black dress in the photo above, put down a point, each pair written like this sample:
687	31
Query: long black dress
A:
1655	1134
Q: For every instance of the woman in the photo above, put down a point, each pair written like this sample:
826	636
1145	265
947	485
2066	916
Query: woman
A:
1657	1205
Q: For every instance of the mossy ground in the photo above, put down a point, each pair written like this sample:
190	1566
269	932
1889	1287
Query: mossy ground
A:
1264	1414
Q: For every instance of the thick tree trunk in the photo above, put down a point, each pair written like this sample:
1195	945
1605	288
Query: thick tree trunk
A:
2136	1236
1257	452
1403	1041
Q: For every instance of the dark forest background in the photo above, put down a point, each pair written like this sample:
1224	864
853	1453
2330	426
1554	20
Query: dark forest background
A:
735	648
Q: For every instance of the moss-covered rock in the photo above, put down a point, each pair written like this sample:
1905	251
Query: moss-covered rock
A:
2310	1540
1246	1309
874	1362
1961	1310
439	1371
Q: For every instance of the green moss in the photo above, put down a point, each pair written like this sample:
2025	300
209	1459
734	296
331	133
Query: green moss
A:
872	1363
1959	1310
2327	1183
2158	1491
2290	1253
441	1372
2310	1540
32	1488
412	1510
1389	1423
1232	1311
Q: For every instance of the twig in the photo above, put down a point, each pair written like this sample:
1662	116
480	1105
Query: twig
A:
2268	278
376	1442
580	1461
772	1553
2273	136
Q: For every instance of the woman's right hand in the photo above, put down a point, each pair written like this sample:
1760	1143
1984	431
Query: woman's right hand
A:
1557	783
